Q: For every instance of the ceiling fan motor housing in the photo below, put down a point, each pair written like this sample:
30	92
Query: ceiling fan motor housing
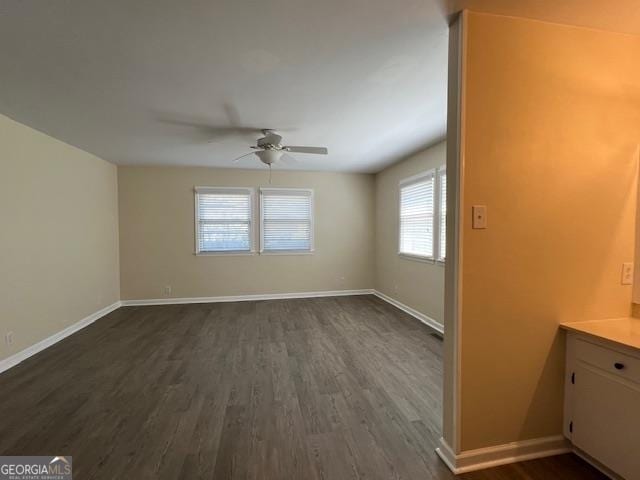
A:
271	140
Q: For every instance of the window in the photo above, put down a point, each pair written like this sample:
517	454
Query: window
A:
287	220
416	215
224	220
423	215
442	207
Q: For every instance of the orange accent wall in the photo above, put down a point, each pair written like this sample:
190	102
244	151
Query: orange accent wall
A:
552	125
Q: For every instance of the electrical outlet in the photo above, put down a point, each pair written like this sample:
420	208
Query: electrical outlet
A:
627	274
8	339
167	290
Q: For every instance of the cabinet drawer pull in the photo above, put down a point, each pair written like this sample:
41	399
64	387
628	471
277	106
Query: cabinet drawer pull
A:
618	365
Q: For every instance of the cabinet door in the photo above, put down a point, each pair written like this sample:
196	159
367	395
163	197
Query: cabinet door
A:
606	420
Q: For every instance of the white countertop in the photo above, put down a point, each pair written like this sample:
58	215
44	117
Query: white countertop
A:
624	331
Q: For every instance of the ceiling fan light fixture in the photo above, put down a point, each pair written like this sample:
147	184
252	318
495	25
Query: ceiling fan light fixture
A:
269	156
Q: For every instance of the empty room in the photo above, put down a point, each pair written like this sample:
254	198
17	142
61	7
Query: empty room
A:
319	240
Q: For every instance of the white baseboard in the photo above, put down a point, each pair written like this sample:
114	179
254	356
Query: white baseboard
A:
13	360
245	298
281	296
471	460
447	455
22	355
411	311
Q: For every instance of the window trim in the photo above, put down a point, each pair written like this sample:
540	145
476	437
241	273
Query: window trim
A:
439	172
435	174
197	190
292	190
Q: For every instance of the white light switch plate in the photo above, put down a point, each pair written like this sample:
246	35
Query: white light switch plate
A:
479	213
627	274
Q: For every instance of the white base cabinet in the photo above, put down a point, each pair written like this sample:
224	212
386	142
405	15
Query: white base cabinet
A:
602	403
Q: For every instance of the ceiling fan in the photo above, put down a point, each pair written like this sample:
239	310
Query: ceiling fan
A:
269	149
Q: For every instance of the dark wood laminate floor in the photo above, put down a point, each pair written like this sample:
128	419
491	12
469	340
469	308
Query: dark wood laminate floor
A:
327	388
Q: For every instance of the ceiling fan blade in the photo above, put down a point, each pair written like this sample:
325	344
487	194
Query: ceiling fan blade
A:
235	160
220	131
298	149
205	129
212	133
233	117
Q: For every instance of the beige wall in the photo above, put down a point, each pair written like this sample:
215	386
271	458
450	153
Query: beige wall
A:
552	124
417	284
59	236
157	236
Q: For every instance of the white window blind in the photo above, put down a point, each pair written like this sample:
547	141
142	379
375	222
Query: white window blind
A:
287	220
417	215
223	219
442	206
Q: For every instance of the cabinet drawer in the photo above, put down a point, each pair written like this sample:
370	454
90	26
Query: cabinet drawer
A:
606	420
608	360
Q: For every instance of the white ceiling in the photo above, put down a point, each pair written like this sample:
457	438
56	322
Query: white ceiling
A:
123	78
